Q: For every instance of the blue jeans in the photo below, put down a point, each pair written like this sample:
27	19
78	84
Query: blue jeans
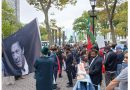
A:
119	68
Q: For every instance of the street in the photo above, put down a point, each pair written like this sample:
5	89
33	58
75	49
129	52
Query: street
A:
29	83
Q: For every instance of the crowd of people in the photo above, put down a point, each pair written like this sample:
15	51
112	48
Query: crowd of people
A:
111	60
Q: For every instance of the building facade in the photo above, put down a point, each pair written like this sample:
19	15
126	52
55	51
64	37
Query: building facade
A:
15	4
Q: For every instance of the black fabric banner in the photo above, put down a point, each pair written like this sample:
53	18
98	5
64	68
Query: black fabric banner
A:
20	50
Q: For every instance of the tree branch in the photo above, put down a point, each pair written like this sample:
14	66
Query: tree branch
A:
108	12
43	6
48	5
113	9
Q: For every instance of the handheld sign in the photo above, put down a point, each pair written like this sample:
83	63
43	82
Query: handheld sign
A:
100	41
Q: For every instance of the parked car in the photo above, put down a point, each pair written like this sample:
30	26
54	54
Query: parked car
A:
44	43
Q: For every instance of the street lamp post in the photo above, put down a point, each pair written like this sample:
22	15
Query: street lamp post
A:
93	4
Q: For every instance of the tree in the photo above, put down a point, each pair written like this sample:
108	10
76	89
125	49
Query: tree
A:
81	25
45	5
44	34
103	22
9	22
109	6
119	21
71	40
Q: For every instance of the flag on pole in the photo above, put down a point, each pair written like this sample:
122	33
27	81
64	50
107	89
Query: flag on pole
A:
90	36
90	31
21	49
89	45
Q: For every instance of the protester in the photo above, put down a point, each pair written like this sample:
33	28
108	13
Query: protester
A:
125	47
74	64
56	61
44	71
69	61
60	57
121	80
120	57
95	68
110	65
113	47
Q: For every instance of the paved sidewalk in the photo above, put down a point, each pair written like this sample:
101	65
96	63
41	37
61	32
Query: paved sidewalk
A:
29	83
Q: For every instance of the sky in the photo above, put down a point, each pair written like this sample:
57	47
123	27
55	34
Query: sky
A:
64	18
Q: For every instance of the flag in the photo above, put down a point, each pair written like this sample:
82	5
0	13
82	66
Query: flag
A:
90	37
21	49
89	45
90	31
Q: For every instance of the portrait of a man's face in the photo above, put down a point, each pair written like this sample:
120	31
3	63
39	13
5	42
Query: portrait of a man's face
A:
17	54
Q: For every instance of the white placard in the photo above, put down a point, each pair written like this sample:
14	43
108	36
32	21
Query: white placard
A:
100	41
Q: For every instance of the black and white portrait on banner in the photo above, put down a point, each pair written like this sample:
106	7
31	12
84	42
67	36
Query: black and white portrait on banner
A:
21	49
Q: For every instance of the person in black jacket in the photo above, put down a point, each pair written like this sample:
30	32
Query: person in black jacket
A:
120	58
110	65
69	61
95	68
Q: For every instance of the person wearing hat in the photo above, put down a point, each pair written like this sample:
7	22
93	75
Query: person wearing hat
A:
44	71
120	57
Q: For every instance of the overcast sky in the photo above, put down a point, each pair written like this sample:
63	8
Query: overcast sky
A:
64	18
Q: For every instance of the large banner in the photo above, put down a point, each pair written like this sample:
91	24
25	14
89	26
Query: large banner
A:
20	50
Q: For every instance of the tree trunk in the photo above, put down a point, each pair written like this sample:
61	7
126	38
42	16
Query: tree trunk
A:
52	35
48	28
59	36
110	18
63	37
112	32
56	37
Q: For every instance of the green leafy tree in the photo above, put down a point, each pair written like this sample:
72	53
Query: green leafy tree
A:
43	32
102	22
45	5
9	23
81	25
121	19
112	15
109	7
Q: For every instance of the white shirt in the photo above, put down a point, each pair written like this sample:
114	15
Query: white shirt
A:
92	62
26	68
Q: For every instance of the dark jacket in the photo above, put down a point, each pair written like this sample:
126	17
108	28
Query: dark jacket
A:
95	71
110	61
44	73
69	60
120	58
